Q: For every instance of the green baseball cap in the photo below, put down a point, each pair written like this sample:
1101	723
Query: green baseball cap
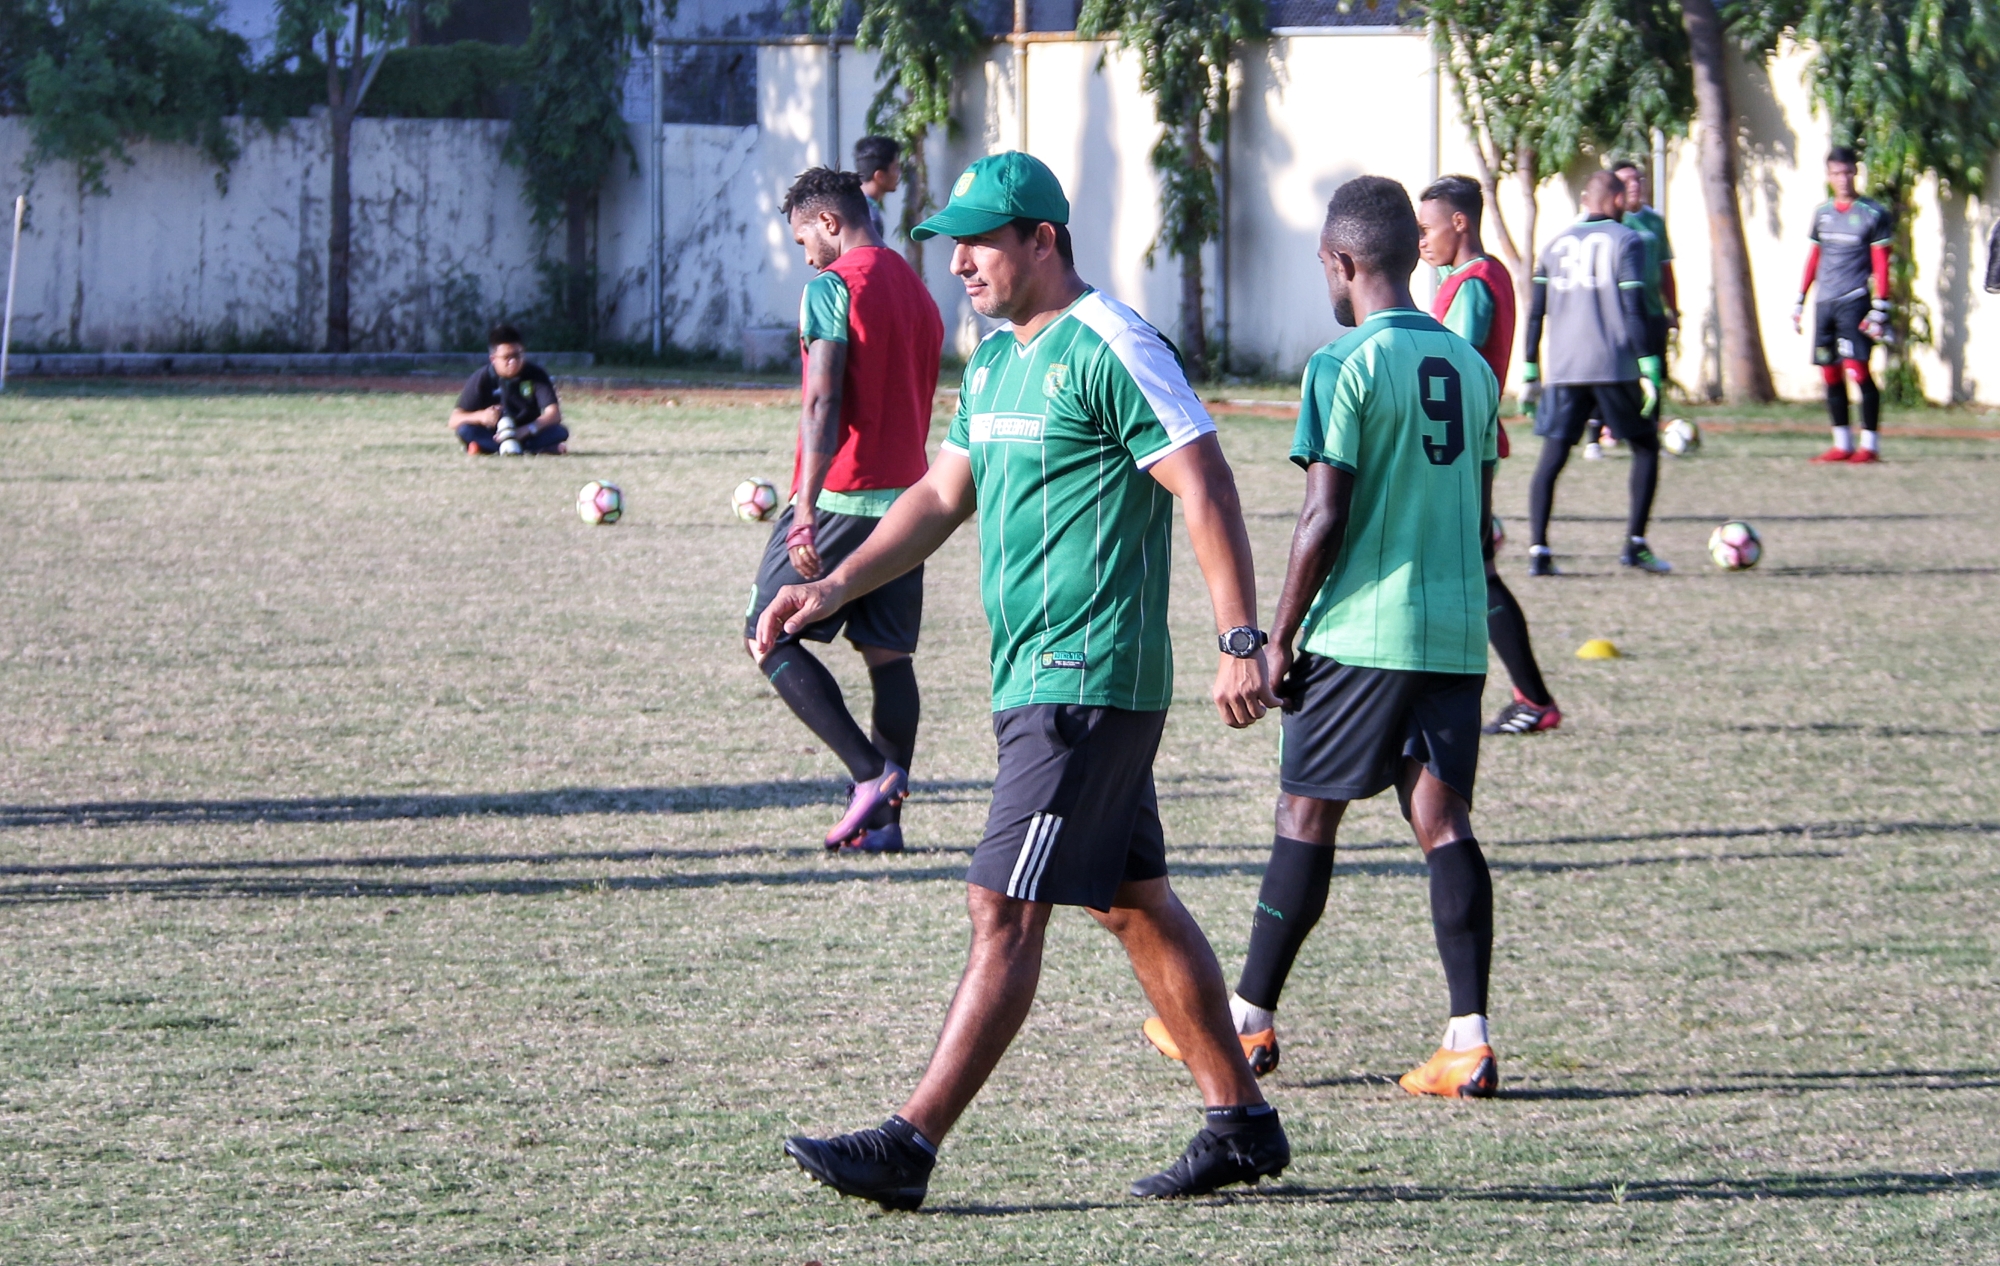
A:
996	190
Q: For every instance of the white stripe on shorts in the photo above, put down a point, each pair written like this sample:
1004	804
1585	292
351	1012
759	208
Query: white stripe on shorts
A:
1036	847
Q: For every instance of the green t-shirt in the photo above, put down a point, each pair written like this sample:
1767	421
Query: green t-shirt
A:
1651	227
823	311
1073	533
1471	313
1411	410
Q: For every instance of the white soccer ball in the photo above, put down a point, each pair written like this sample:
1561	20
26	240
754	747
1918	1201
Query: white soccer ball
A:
599	503
1680	437
1735	546
754	500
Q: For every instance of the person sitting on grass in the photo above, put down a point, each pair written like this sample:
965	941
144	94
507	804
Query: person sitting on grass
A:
510	405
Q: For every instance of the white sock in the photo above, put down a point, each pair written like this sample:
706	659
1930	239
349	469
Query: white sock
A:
1250	1019
1465	1032
1871	441
1843	438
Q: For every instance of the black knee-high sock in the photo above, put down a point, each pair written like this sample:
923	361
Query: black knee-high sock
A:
1542	489
1836	402
1462	917
897	708
1871	402
1289	903
1507	629
1643	482
805	684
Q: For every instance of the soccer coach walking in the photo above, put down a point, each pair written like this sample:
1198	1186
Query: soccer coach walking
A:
1076	428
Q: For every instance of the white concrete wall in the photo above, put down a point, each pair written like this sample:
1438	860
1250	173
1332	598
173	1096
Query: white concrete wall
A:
443	237
170	259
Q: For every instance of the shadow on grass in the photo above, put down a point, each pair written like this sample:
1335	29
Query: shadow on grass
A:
258	877
554	803
1760	1083
1869	1184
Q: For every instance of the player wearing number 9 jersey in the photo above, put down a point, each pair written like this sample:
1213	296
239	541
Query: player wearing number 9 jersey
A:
1379	642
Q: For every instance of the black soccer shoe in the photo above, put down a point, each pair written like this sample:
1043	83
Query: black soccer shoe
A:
1215	1160
877	1164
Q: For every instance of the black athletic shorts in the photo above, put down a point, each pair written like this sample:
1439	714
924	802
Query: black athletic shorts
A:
1837	333
888	617
1657	330
1074	813
1564	410
1348	730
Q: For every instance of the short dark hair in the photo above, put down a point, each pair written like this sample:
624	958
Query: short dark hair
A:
1461	193
1025	228
1370	218
1628	164
1605	182
502	333
824	189
875	153
1842	154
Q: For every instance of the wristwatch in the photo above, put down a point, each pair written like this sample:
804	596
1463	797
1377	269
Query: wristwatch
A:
1242	641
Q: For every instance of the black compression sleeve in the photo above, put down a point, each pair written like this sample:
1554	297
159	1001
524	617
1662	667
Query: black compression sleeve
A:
1633	300
1538	308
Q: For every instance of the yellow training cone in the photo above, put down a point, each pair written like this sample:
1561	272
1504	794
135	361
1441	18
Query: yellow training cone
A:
1597	648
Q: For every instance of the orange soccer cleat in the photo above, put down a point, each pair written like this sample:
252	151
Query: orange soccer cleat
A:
1862	456
1469	1074
1834	454
1261	1049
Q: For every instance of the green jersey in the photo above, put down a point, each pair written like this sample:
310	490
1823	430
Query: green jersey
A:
1651	227
1073	533
1412	411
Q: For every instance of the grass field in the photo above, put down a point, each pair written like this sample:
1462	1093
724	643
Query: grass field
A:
396	869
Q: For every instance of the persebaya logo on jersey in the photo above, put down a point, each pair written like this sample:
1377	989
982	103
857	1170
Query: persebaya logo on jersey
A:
1052	382
1064	659
964	184
979	379
1006	428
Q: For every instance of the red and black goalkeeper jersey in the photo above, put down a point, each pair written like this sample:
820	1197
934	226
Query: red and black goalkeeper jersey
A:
1846	236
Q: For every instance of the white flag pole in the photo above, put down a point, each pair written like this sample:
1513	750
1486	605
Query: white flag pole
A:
13	271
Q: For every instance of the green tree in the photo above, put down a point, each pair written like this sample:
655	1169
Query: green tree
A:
1184	49
1541	82
93	76
569	133
352	37
922	46
1914	85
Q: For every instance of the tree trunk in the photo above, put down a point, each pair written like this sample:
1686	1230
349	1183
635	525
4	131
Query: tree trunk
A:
339	233
916	197
1526	165
579	300
1746	375
1194	327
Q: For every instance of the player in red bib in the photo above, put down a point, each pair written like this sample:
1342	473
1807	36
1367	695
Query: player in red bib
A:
1850	251
870	336
1475	300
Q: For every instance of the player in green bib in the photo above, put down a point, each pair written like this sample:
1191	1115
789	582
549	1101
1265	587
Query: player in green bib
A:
1385	597
1076	430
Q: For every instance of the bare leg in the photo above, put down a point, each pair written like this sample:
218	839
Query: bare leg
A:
994	994
1434	811
1182	980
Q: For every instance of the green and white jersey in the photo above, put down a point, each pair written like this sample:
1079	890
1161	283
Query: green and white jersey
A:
1073	533
1412	411
1651	227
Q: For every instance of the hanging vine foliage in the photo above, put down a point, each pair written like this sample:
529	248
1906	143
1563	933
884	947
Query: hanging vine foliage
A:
1184	48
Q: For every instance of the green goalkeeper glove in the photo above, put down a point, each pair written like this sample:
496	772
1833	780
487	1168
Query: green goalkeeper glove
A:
1652	374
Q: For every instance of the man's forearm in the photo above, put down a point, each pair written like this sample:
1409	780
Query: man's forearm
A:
1316	542
1214	516
819	422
